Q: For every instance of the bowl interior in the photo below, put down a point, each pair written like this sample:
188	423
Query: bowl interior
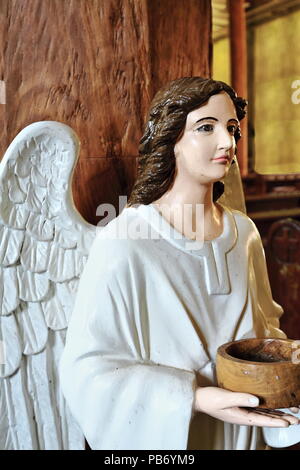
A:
260	350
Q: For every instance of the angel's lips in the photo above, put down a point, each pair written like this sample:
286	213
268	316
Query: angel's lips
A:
222	159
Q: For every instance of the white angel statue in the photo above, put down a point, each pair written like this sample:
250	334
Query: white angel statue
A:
138	368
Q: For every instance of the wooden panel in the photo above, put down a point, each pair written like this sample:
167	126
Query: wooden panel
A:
180	38
94	65
101	180
80	62
3	39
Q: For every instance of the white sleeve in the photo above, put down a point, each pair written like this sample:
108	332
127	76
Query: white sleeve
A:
120	399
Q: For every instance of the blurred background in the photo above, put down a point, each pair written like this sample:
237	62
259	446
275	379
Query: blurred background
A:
256	49
96	64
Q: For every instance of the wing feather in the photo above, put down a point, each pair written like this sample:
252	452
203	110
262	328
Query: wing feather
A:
10	245
32	286
32	327
34	255
12	216
15	192
58	308
63	264
35	197
39	227
9	294
65	237
22	158
12	345
37	178
17	434
40	384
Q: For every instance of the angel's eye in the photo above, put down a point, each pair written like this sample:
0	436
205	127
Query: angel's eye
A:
205	128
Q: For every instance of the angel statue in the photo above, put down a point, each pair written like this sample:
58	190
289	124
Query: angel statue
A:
44	245
178	273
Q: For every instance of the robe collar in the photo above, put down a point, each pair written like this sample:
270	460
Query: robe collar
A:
213	252
225	242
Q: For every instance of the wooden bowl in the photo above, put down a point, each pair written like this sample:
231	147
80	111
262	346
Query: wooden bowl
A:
266	368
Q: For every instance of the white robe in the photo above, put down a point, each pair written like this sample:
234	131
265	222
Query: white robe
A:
148	320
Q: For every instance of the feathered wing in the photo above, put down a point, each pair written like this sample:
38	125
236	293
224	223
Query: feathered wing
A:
44	243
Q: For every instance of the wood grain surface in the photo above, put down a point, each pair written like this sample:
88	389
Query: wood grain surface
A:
265	368
95	65
180	39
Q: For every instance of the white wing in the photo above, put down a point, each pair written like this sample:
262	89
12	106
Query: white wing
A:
44	243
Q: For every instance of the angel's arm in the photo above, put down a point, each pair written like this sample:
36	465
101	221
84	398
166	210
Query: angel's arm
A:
120	398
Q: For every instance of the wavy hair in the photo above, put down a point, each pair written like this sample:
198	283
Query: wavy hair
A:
165	123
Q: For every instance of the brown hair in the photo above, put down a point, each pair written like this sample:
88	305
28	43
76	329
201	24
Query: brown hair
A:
166	121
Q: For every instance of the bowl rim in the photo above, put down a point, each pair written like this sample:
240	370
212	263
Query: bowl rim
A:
223	353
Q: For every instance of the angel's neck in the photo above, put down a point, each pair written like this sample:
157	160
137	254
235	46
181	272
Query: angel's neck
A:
188	195
188	206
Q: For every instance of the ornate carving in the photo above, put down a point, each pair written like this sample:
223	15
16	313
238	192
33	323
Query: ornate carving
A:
44	243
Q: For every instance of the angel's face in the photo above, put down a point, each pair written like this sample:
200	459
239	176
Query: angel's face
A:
207	146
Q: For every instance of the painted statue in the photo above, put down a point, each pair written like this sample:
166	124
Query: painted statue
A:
178	273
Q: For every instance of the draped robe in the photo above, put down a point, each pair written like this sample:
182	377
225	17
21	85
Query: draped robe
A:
148	319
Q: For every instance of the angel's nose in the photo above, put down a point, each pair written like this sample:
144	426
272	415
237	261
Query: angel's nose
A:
225	139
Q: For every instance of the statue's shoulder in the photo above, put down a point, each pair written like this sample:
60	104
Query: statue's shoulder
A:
117	237
244	222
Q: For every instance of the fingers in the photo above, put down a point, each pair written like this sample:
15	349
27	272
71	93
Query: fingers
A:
251	417
270	412
239	408
239	399
212	399
277	415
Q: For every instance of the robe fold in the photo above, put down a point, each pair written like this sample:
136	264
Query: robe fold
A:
151	310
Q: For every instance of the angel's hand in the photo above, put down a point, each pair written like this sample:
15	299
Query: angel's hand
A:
239	408
276	413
